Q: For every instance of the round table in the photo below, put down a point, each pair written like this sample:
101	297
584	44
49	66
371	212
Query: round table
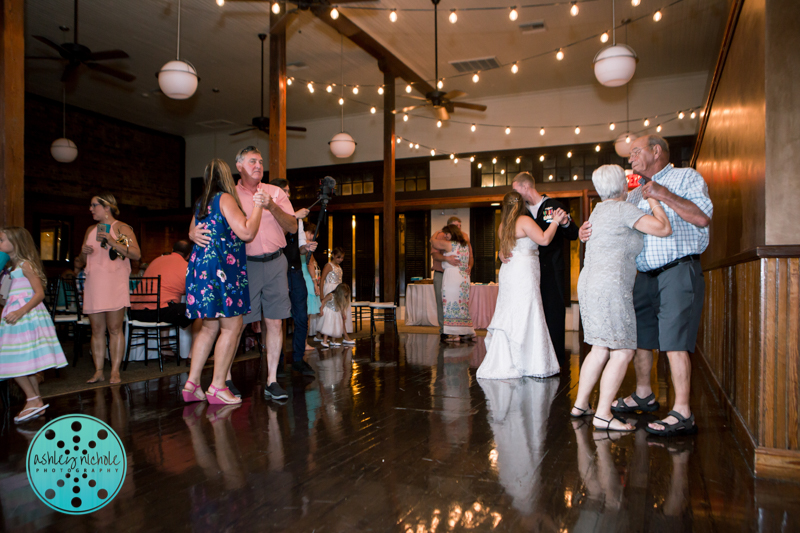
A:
421	305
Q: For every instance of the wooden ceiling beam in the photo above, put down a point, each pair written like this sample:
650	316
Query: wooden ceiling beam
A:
387	61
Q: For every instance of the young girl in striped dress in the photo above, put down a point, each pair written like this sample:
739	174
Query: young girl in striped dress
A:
28	342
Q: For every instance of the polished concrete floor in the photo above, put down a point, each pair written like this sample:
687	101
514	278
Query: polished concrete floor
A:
398	435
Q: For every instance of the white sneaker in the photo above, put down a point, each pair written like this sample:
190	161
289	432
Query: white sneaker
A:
348	341
334	343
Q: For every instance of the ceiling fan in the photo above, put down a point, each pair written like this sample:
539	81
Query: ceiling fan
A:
78	55
261	123
441	102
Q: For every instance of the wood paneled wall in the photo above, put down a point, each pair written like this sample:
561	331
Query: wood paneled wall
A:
749	339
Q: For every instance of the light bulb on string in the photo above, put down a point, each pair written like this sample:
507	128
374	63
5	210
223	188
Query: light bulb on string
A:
310	87
408	88
502	171
405	118
681	115
380	89
329	88
702	113
627	139
657	15
550	177
473	128
494	160
575	177
574	10
577	130
276	8
517	160
514	68
399	140
541	158
480	165
508	130
289	81
658	128
433	153
475	78
569	154
646	122
393	15
355	89
612	126
471	159
513	15
411	145
635	3
220	3
334	13
440	83
604	38
452	156
438	123
597	148
560	54
453	17
372	110
416	146
455	161
541	131
693	115
341	101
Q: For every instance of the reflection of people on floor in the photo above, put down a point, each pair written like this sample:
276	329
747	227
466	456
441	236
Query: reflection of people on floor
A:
599	510
334	370
450	401
518	415
675	514
225	460
420	348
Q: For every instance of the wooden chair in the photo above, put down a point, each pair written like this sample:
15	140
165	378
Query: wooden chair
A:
148	291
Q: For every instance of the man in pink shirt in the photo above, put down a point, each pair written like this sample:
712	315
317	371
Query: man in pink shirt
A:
266	265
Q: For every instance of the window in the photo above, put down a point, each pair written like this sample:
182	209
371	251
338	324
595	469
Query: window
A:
411	178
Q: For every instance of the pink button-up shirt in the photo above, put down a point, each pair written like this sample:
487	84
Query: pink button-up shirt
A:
270	236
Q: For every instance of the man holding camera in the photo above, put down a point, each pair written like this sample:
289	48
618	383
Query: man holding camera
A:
267	266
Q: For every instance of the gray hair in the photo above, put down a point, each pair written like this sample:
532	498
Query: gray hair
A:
610	181
244	151
658	140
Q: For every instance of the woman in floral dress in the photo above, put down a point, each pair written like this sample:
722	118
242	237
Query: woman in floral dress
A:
455	284
216	280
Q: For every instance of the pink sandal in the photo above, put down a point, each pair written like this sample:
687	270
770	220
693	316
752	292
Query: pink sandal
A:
195	394
212	395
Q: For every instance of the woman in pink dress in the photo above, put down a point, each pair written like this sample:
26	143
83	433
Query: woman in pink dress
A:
108	248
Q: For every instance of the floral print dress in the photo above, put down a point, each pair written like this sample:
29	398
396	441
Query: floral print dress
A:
216	280
455	293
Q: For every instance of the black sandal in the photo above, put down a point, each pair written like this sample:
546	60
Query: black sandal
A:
642	404
584	412
608	424
684	426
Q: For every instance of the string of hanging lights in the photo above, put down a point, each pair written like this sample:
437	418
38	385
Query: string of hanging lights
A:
514	65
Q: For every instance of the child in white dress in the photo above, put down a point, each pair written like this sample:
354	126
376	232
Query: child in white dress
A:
333	313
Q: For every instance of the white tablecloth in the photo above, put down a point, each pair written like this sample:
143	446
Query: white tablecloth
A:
421	305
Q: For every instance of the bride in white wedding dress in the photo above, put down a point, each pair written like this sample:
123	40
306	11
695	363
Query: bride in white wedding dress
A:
517	341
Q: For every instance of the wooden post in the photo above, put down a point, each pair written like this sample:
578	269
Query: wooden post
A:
12	114
389	240
277	98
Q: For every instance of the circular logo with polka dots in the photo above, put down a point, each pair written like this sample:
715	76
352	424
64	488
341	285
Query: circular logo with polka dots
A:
76	464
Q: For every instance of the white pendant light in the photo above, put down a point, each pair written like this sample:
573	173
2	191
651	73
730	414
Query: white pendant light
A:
623	144
64	150
178	79
342	145
615	64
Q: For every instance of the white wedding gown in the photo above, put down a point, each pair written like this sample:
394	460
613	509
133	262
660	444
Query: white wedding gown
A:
517	341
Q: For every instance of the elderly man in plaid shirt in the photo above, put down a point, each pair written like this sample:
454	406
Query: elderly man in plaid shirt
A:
668	294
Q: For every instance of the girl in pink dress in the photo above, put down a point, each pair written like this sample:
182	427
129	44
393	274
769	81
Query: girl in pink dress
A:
108	248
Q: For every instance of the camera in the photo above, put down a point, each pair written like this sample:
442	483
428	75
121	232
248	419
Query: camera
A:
327	188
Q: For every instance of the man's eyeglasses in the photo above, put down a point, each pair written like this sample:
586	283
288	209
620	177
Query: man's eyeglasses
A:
636	152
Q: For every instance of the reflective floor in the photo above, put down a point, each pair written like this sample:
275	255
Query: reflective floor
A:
398	435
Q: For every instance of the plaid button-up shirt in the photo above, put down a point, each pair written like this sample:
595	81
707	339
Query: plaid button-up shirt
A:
686	238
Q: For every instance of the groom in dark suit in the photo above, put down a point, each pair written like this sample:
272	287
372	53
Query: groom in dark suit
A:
551	259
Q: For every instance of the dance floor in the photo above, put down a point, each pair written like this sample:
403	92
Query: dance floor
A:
398	435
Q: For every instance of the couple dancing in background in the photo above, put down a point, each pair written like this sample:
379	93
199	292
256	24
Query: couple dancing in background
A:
518	341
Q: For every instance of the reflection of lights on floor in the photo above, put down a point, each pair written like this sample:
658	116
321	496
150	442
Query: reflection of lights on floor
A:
468	518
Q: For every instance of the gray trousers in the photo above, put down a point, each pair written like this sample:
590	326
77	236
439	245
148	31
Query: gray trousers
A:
437	290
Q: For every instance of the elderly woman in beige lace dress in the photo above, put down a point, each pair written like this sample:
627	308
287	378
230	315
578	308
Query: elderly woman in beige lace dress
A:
605	291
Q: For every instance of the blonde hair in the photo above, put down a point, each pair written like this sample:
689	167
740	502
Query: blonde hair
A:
216	178
25	250
341	296
525	178
107	199
513	208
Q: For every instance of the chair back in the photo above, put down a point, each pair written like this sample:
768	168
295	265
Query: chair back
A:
146	291
73	298
51	294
